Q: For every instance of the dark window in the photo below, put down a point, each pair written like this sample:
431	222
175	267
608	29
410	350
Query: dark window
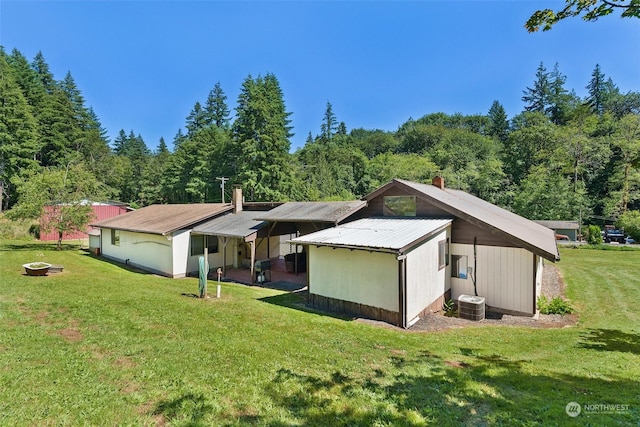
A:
198	241
115	237
399	206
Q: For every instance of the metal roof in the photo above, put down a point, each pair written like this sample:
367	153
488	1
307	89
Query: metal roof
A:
239	224
566	225
376	234
164	219
312	211
522	231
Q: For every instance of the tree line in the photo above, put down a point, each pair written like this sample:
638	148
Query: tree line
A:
562	157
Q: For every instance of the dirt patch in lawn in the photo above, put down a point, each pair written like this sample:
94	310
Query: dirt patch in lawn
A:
70	334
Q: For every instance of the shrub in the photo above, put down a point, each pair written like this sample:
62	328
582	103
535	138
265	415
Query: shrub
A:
556	306
594	235
630	223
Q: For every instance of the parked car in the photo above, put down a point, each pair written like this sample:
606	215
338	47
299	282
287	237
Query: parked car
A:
613	235
629	240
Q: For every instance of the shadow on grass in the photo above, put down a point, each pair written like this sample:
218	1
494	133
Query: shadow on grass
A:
425	390
298	301
610	340
119	264
37	246
190	408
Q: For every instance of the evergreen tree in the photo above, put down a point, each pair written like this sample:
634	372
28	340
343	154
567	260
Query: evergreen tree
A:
329	124
178	139
559	97
261	135
43	73
196	120
216	110
498	122
162	147
537	97
598	89
18	134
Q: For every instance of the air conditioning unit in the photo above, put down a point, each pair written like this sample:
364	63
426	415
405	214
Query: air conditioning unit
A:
470	307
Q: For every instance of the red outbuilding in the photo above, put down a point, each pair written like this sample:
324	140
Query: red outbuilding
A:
101	211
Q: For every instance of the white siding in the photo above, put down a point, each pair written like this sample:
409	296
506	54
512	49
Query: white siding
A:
369	278
150	252
425	282
505	277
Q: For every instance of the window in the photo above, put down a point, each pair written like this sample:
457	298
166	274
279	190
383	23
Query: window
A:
198	241
399	206
115	237
459	267
443	254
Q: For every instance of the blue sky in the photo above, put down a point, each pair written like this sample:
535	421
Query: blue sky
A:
142	65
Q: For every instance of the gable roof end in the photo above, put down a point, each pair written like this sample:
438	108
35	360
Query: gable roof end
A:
512	227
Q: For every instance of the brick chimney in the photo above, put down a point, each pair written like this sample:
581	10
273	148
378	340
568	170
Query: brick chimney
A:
237	199
438	181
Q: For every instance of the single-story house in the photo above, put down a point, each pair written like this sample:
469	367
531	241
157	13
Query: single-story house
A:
158	238
100	210
565	230
418	245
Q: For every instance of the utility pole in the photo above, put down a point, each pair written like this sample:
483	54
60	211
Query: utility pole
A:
222	180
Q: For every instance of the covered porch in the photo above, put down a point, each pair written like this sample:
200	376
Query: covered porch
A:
277	276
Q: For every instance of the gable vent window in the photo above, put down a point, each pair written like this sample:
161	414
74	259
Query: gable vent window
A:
399	206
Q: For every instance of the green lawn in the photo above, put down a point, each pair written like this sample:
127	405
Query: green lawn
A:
101	345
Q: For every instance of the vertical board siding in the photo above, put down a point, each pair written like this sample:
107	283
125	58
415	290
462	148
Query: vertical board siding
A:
505	277
100	213
425	282
369	278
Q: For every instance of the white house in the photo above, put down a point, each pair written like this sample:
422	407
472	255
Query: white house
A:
419	245
158	238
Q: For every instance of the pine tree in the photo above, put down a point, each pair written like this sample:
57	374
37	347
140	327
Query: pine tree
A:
196	120
559	97
329	124
598	89
162	147
178	139
499	122
216	109
537	97
261	135
18	134
45	76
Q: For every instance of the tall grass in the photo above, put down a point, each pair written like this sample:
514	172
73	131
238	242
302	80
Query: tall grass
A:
103	345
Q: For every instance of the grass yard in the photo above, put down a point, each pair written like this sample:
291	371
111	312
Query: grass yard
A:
101	345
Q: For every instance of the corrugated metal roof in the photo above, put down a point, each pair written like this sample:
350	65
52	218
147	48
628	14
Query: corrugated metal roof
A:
566	225
534	237
164	219
239	224
312	211
393	234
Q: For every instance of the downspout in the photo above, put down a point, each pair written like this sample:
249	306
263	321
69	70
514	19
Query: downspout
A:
402	295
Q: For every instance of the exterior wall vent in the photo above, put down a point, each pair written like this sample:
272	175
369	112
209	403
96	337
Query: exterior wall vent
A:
470	307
